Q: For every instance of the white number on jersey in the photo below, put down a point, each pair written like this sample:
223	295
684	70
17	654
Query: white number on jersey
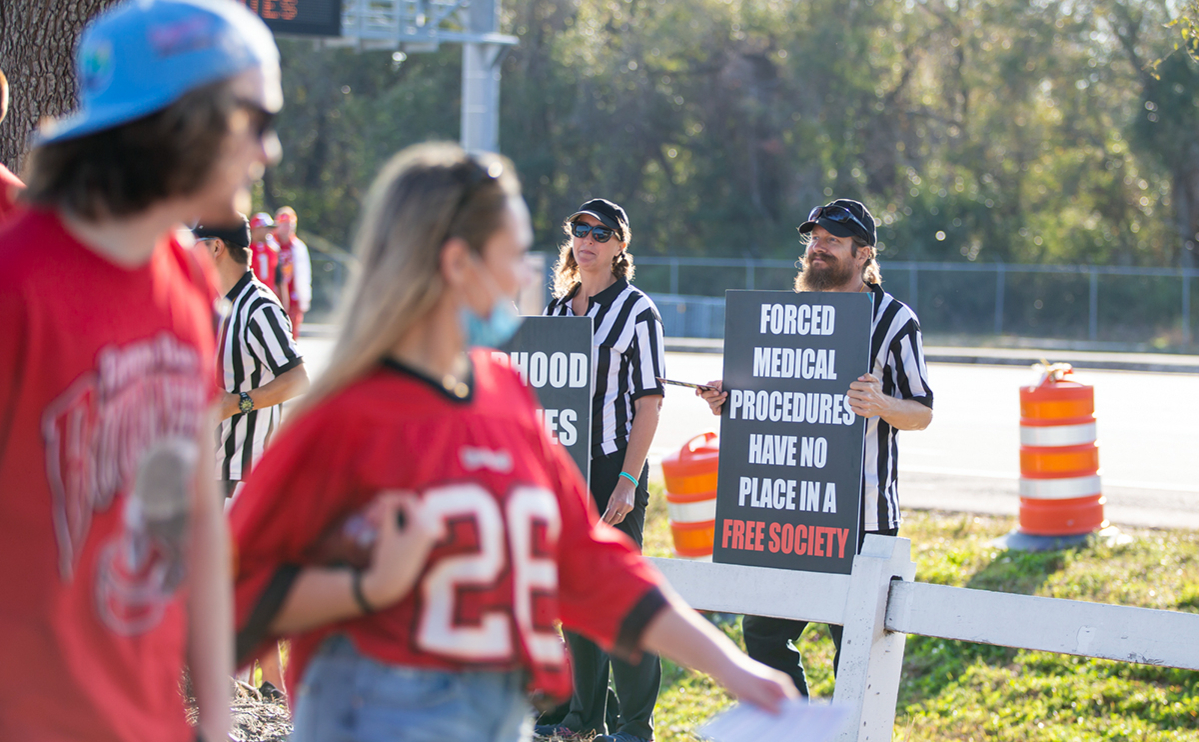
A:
491	639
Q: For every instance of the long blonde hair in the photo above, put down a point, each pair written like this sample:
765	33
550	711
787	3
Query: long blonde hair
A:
425	195
566	270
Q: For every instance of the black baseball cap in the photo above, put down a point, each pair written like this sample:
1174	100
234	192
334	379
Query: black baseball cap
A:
234	234
609	214
843	218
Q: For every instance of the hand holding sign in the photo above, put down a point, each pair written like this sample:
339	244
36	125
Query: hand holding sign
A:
714	395
866	396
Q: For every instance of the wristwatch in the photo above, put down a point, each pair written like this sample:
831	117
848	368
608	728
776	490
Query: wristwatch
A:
247	402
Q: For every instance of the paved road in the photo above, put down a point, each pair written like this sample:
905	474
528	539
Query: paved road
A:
968	459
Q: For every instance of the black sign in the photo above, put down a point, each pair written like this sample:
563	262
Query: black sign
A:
299	17
790	480
553	356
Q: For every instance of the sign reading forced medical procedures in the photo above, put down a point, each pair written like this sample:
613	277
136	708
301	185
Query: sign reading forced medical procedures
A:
553	356
790	479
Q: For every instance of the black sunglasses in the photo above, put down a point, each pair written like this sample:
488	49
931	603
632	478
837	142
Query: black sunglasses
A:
838	214
597	232
262	120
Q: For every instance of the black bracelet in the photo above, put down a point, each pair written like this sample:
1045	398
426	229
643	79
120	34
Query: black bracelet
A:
359	598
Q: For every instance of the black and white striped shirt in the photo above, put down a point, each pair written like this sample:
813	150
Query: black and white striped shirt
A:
897	359
628	357
255	346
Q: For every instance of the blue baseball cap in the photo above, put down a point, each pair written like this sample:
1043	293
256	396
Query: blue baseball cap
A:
143	55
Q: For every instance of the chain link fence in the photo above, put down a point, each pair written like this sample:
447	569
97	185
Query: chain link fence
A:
1145	307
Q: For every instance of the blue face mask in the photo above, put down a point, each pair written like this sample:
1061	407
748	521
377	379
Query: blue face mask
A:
493	331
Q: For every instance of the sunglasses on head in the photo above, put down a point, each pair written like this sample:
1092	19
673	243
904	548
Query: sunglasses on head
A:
838	214
598	233
476	174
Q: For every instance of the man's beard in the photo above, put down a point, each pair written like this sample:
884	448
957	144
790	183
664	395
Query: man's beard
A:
830	275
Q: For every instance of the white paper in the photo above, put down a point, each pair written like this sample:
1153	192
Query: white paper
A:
798	721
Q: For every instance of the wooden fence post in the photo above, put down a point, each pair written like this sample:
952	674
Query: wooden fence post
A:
871	656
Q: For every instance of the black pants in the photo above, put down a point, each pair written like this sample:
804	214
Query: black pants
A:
769	640
636	685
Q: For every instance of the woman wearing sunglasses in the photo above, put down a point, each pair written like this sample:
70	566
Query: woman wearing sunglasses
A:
413	531
591	279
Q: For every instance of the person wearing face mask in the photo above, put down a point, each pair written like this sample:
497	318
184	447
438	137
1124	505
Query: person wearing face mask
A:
591	279
894	395
413	530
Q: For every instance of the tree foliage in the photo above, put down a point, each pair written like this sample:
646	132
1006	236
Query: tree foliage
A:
992	130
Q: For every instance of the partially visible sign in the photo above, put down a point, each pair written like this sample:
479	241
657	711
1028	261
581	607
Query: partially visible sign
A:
790	481
299	17
553	356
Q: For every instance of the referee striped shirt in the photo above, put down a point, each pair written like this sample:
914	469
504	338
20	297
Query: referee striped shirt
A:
897	359
255	347
628	356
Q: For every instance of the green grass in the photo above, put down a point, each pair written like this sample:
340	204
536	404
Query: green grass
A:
971	692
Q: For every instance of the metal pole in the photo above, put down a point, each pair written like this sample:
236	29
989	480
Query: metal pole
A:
674	276
1094	305
749	275
999	280
481	82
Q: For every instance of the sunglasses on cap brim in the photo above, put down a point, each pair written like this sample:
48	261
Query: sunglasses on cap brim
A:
598	232
838	214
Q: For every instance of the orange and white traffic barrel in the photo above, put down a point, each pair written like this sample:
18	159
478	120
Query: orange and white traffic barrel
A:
1060	493
690	475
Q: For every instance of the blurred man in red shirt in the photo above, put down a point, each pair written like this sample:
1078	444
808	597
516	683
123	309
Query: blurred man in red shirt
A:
264	251
295	269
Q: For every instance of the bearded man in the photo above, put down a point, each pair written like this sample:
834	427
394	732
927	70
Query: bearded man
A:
839	238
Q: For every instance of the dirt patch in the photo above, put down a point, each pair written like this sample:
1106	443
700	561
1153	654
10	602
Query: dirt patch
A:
255	718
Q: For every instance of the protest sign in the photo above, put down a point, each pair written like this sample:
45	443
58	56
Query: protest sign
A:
553	356
789	488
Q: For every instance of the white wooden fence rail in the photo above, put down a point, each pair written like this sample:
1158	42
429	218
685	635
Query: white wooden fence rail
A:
879	604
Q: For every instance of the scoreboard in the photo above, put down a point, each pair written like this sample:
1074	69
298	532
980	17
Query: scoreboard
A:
299	17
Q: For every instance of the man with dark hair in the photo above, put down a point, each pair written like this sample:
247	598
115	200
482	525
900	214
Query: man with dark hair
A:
10	185
259	368
111	534
839	238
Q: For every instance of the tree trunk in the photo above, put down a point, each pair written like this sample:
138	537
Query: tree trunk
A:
37	50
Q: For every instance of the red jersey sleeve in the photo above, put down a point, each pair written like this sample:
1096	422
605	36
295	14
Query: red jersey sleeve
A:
606	590
295	491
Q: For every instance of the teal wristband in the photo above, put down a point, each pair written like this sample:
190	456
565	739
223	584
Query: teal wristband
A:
631	478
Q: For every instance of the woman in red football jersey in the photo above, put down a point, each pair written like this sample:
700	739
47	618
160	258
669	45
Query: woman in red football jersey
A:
464	534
